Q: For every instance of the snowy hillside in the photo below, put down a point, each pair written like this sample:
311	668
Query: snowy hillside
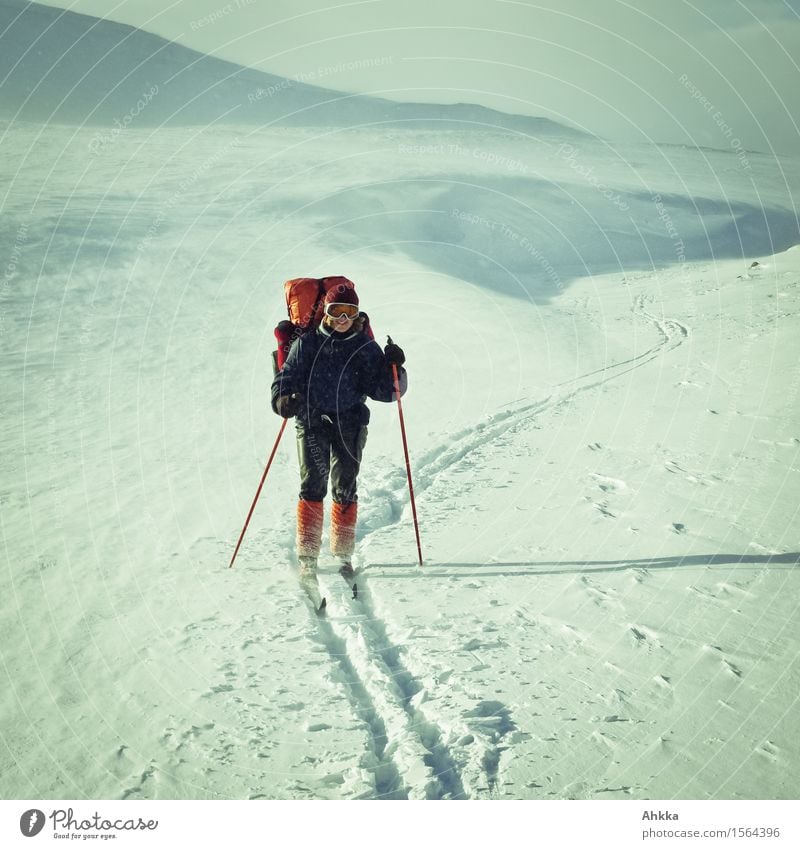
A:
58	66
603	429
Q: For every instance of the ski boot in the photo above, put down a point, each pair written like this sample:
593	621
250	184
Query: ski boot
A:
346	569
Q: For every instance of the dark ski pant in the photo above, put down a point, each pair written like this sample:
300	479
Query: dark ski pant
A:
328	451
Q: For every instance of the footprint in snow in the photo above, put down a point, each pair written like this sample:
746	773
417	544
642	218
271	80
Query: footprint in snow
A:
733	589
606	741
663	690
150	774
769	750
727	665
644	637
601	597
119	764
219	688
638	635
608	484
732	668
576	790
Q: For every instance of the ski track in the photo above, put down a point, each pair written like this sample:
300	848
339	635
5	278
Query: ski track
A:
382	756
414	746
468	440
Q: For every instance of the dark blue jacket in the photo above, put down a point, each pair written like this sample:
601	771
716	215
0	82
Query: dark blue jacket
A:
334	374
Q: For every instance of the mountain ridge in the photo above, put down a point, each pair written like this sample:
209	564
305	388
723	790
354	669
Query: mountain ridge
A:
65	67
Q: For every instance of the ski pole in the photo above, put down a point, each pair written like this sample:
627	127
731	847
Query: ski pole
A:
258	492
405	451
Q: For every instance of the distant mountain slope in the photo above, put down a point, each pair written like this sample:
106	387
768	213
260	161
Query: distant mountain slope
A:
65	67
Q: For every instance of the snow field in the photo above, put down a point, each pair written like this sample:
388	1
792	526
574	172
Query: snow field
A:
604	445
655	704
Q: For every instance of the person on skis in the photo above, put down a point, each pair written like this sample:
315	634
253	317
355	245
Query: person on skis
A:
328	375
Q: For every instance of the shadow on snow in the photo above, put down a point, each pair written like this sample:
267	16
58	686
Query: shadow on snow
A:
579	567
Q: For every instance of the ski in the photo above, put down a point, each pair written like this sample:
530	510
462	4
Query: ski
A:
310	586
349	576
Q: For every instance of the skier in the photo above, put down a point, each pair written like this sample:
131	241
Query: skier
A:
328	374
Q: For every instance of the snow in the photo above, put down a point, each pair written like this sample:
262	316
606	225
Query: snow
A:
602	420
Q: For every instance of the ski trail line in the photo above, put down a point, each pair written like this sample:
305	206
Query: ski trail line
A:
465	771
379	759
461	444
405	752
414	744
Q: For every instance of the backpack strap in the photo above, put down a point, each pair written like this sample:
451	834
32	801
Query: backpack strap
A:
320	296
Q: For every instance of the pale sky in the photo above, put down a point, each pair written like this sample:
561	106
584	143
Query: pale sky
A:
708	72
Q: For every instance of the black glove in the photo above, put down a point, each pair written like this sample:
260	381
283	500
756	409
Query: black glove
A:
394	354
288	405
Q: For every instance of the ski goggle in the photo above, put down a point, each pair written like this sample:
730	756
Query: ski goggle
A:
341	310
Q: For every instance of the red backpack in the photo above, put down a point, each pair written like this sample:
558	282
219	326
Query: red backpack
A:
305	298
